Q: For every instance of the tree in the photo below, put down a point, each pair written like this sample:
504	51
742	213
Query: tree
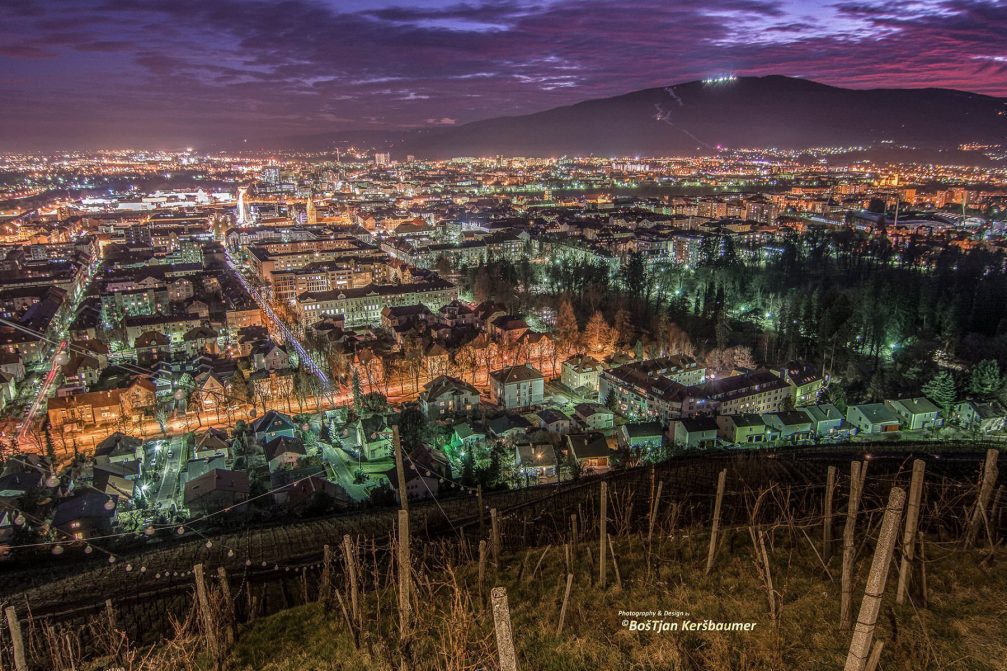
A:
597	334
985	380
634	278
358	405
623	327
722	329
941	390
567	329
414	429
50	450
161	414
835	394
612	401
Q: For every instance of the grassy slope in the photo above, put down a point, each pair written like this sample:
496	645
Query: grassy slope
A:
962	629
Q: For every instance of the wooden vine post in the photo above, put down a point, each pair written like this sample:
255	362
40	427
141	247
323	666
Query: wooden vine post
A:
910	531
849	547
229	613
830	489
400	469
405	585
863	632
602	534
325	584
16	639
979	517
495	537
566	599
206	612
715	529
482	513
349	558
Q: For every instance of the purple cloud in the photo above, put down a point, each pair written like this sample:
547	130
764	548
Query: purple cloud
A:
178	72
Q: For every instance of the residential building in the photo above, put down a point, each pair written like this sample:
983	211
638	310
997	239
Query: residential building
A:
363	306
826	419
790	425
448	395
517	387
873	418
216	490
536	459
917	413
553	421
642	436
806	380
743	429
284	452
85	515
581	373
593	417
694	432
982	416
590	450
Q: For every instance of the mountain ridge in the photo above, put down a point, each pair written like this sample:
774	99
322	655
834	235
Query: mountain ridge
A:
700	117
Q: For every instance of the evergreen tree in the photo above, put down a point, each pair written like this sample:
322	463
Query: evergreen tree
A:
941	390
468	476
634	277
722	330
611	401
358	397
985	380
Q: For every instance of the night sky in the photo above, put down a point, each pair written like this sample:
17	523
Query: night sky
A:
172	73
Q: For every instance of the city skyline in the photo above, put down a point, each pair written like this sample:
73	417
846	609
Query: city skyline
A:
214	73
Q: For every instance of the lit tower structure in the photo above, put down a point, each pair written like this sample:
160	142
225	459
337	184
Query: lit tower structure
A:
312	214
244	216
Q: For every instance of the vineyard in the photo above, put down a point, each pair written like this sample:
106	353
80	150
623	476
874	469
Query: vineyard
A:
761	533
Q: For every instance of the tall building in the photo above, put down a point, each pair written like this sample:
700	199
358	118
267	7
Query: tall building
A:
271	174
244	214
382	159
312	214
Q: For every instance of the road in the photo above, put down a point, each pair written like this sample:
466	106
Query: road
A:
171	469
342	471
57	330
278	323
41	395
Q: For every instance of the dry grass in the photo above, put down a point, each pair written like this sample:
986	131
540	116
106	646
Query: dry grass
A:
961	630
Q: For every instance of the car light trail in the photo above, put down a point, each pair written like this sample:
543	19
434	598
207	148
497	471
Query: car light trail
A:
312	367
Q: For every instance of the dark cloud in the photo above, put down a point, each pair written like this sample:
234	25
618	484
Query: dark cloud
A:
210	71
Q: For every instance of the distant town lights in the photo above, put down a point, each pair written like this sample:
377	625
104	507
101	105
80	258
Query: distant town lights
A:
719	79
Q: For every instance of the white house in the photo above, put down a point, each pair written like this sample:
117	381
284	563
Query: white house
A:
593	417
448	395
916	413
826	418
694	432
982	416
873	418
517	387
789	425
581	372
